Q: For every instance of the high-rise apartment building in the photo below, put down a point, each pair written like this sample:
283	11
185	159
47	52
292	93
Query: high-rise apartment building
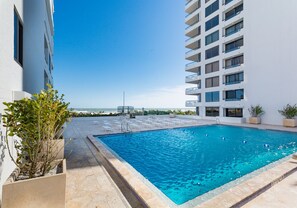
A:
241	53
26	51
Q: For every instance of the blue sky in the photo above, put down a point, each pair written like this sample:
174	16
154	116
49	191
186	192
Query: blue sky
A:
105	47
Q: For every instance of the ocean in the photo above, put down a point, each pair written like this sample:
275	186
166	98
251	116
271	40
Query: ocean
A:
114	110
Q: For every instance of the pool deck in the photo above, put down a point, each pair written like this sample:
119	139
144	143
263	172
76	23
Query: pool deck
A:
92	183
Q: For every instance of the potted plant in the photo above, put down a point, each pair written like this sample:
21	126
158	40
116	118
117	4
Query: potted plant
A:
289	112
256	112
34	126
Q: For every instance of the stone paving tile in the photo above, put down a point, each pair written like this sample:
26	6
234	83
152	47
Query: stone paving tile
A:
87	183
281	195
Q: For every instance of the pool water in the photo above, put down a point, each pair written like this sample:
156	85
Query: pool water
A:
187	162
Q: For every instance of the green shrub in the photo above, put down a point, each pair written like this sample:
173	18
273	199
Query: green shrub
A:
289	111
256	111
37	122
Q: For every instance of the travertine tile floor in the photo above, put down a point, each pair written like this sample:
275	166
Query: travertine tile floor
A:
281	195
89	184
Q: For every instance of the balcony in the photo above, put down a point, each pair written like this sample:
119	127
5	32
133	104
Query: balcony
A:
193	103
233	12
194	55
193	30
192	5
193	43
193	91
192	18
193	67
193	79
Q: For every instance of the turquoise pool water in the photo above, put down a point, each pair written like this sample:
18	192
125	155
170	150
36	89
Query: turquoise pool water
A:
187	162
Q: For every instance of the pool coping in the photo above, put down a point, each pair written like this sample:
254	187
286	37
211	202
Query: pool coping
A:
233	197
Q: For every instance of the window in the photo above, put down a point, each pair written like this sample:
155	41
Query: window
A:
46	51
227	1
234	112
46	80
234	95
212	52
233	12
234	78
197	111
18	39
212	37
212	8
212	96
212	67
50	64
212	111
233	62
234	45
212	23
212	82
233	29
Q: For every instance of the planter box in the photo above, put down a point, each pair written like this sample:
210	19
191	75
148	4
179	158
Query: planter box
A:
290	122
254	120
41	192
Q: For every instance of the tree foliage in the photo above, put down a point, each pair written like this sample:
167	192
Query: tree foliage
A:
38	122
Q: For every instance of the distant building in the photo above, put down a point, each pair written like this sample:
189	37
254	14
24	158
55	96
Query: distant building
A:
241	53
26	55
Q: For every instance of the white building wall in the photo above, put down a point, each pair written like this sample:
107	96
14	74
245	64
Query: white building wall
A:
11	74
36	27
271	55
270	72
16	81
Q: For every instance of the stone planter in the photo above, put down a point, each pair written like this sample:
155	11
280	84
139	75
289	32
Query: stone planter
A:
41	192
254	120
289	122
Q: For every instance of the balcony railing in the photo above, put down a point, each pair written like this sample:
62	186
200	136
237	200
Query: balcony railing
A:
232	66
232	49
193	90
193	77
193	103
189	2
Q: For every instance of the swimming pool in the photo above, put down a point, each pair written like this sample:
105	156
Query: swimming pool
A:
185	163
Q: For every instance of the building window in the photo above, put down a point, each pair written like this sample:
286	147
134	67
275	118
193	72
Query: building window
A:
227	1
212	96
212	111
233	12
234	45
212	37
234	112
212	23
46	80
212	82
233	29
234	62
18	38
212	8
212	67
234	78
197	111
234	95
46	51
212	52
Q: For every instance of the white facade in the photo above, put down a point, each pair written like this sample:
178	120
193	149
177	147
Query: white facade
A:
261	63
20	77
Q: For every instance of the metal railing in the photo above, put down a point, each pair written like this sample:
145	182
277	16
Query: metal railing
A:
193	90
